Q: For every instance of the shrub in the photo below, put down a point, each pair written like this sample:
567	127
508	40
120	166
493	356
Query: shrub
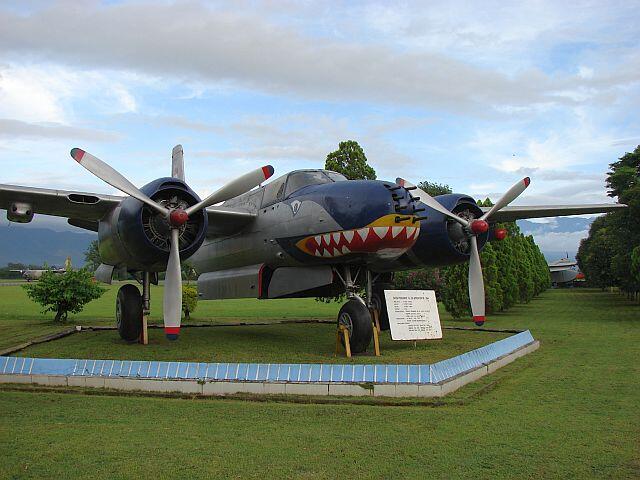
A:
64	293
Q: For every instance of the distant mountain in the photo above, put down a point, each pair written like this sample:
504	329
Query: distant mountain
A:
38	245
557	236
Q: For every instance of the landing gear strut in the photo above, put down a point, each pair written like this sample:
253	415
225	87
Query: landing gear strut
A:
355	315
132	310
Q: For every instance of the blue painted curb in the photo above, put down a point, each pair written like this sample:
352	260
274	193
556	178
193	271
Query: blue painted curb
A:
424	374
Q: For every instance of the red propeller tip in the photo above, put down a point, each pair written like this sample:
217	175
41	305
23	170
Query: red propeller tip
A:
172	333
178	217
77	154
479	226
526	181
267	170
500	233
478	320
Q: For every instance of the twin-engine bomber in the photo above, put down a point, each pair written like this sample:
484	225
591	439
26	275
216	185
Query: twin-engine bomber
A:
309	233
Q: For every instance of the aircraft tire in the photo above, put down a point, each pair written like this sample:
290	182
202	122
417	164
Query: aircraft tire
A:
380	303
129	313
356	317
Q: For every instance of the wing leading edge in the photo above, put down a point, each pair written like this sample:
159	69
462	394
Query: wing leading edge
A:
84	209
511	214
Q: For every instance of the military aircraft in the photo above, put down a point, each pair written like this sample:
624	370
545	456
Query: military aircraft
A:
308	233
30	274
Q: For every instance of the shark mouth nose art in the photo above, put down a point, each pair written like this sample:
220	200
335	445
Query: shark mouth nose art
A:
385	233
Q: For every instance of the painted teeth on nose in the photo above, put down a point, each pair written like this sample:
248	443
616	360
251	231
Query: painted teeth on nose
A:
364	233
318	239
345	250
336	238
348	235
395	231
410	232
327	253
326	239
381	231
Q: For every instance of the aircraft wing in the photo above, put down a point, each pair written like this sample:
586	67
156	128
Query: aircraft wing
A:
81	208
511	214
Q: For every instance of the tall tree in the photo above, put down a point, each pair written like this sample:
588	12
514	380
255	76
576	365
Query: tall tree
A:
350	161
606	256
434	188
92	257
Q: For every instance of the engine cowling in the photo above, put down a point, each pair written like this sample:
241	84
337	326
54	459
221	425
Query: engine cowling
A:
442	241
136	236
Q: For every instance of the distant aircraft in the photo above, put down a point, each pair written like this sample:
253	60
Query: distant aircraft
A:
308	233
563	271
30	274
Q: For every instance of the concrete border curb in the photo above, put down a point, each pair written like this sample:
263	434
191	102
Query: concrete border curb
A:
221	387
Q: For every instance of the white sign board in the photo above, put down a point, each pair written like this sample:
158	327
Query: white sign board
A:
413	314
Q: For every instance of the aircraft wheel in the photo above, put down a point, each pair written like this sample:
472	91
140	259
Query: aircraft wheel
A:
355	316
129	312
379	302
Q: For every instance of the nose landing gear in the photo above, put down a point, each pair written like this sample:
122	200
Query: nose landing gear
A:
355	316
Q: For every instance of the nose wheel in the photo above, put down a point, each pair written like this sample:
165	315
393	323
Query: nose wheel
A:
356	318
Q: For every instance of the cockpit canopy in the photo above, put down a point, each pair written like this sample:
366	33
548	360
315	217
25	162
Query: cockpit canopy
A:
282	187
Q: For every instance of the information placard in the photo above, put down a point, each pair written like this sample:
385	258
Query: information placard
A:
413	314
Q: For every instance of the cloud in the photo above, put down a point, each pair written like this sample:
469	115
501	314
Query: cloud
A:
15	128
194	42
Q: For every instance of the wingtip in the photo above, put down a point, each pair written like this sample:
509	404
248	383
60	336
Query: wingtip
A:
526	181
478	320
77	154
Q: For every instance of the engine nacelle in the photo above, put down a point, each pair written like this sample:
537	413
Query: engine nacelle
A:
20	212
442	240
136	236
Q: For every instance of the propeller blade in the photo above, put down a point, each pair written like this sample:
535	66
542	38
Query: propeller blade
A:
513	193
177	162
476	283
112	177
234	188
172	299
431	202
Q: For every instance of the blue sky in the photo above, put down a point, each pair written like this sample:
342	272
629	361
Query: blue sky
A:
476	96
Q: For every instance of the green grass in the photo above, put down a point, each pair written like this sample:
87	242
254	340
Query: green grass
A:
288	343
570	410
21	319
292	343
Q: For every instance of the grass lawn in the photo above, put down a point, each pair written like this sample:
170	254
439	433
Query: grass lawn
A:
568	410
21	319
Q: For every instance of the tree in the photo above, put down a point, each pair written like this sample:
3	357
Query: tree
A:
434	189
350	161
64	293
92	257
189	300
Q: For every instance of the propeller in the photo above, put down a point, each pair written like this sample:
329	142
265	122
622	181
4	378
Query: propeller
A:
473	229
176	218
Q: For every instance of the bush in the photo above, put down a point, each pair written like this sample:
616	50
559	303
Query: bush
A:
189	300
64	293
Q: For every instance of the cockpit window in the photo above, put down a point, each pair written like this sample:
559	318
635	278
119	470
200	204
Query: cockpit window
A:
274	192
297	180
335	176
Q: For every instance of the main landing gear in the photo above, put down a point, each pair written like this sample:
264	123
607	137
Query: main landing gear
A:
131	308
355	315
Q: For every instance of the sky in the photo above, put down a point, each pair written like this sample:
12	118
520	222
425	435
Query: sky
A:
472	94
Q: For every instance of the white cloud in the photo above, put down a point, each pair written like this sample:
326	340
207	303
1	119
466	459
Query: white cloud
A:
202	44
